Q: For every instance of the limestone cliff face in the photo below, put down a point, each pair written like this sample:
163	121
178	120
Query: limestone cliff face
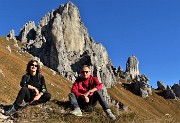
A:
27	32
62	42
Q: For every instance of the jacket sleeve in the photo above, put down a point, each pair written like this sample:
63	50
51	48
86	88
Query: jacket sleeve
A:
23	82
43	88
75	89
97	83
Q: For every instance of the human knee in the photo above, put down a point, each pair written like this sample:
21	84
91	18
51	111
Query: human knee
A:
47	96
98	92
71	95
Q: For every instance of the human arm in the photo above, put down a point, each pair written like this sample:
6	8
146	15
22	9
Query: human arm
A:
90	91
95	85
24	80
75	89
42	88
25	83
33	88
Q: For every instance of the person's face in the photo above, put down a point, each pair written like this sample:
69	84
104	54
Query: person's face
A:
33	67
85	72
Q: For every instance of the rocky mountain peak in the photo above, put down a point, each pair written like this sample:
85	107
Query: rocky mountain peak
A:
62	43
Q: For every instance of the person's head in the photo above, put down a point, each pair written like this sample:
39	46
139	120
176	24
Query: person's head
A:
32	67
85	71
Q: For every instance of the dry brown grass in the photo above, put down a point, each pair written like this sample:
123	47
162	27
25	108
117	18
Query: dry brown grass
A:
154	109
13	66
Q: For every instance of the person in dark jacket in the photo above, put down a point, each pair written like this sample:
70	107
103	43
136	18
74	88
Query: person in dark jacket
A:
33	88
85	91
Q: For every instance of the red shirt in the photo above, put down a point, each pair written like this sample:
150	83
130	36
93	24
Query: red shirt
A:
82	85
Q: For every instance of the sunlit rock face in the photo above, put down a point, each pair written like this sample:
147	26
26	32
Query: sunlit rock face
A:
62	43
132	67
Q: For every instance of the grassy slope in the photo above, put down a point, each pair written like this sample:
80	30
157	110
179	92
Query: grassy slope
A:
14	64
155	107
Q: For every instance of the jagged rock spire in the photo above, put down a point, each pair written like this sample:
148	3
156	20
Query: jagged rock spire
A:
27	32
62	43
11	34
132	66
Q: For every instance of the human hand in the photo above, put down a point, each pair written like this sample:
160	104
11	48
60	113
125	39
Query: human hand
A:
89	93
86	99
36	98
86	94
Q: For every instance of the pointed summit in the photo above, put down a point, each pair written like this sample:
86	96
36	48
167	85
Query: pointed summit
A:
62	43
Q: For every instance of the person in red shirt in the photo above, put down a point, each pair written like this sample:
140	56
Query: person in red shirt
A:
85	91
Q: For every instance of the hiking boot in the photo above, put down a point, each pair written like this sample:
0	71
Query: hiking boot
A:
77	112
11	111
110	114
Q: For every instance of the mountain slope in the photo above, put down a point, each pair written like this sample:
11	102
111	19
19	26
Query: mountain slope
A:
154	107
13	65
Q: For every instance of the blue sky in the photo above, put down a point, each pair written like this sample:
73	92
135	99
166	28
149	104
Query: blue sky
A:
148	29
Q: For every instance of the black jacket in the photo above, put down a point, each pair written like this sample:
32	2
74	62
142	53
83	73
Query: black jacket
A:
37	81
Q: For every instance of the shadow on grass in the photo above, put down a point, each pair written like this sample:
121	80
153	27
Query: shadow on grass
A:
65	104
131	88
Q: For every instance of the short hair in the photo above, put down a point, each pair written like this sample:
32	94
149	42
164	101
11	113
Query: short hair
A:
84	66
29	65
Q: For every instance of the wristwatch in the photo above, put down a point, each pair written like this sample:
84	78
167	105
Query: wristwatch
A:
41	93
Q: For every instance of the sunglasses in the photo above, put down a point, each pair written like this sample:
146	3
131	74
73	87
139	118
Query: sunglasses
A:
84	72
34	65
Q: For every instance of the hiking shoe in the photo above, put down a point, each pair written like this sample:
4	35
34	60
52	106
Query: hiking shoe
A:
110	114
11	111
77	112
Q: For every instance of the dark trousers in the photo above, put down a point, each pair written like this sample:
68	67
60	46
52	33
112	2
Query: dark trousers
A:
80	103
28	95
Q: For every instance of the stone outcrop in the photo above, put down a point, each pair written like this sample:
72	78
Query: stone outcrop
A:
27	32
132	70
142	86
132	67
161	85
121	73
176	90
11	35
172	92
62	43
139	84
